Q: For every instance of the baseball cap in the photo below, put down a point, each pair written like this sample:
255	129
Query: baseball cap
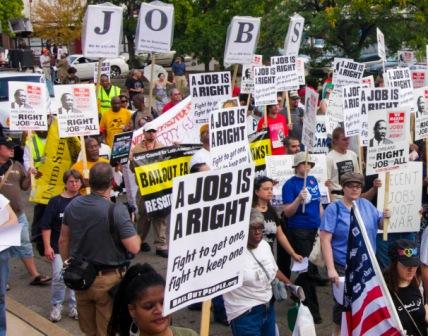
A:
147	127
294	95
300	158
405	251
7	141
351	177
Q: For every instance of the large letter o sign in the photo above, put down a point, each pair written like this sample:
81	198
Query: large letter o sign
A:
149	19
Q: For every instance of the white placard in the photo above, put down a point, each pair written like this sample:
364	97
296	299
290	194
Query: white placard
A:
207	89
175	125
368	81
334	114
388	147
347	72
372	100
404	199
285	72
421	108
76	109
102	31
419	78
247	80
400	78
310	119
155	27
229	145
205	252
241	40
294	35
10	236
352	110
321	137
380	44
406	57
264	86
105	70
28	106
300	67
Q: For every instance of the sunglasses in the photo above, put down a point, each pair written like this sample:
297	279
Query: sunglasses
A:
123	101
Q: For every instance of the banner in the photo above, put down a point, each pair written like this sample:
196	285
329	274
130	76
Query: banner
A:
321	136
300	68
310	119
260	147
380	44
347	73
105	70
247	80
28	106
241	40
228	138
400	78
286	78
373	100
207	89
405	198
60	154
175	125
421	122
352	110
121	147
155	171
76	108
388	147
264	86
155	27
102	31
294	35
208	235
334	114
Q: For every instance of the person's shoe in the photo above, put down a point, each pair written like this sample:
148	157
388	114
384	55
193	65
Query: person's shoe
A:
73	313
145	247
162	253
7	287
56	311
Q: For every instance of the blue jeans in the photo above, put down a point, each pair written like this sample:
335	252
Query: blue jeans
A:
26	249
4	274
58	289
257	321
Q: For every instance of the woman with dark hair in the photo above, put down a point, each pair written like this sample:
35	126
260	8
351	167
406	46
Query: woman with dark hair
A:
51	228
403	284
138	305
161	95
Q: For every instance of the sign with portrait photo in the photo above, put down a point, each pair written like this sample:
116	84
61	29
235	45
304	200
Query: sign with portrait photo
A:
421	121
247	80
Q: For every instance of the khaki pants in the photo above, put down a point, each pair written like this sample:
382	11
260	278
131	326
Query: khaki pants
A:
181	84
94	305
159	223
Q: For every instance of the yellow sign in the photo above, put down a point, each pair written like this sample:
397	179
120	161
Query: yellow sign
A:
259	150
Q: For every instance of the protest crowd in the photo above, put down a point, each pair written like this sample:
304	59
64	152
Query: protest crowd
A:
258	188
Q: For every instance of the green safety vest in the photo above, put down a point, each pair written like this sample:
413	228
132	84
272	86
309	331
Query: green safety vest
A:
105	99
37	150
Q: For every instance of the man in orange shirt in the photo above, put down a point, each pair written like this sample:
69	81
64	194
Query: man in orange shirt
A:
115	121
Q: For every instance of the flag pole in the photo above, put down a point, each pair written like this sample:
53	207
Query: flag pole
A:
304	181
376	267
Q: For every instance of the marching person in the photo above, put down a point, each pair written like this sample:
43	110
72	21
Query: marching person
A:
115	120
105	93
176	97
86	221
179	75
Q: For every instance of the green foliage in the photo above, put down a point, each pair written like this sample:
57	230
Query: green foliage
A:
10	9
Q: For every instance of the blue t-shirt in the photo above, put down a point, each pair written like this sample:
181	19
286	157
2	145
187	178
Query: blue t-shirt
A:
339	226
179	69
311	218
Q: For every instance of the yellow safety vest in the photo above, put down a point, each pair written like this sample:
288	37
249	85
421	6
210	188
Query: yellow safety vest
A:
37	150
104	99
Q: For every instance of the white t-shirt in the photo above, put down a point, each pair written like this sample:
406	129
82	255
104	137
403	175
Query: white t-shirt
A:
201	156
339	164
256	288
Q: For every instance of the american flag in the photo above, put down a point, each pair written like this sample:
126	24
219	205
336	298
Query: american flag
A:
367	311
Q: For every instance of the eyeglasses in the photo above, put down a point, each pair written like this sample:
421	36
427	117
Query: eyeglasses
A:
123	101
354	186
257	228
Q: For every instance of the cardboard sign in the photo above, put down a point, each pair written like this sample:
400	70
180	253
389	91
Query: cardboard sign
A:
404	199
208	234
247	80
264	86
105	70
421	108
228	138
352	110
321	136
207	89
285	72
368	81
241	40
121	148
388	147
372	100
380	44
261	148
310	119
334	114
419	78
400	78
294	35
347	72
102	31
300	68
76	108
155	27
28	106
175	125
406	57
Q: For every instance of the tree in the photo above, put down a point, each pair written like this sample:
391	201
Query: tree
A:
58	21
10	9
